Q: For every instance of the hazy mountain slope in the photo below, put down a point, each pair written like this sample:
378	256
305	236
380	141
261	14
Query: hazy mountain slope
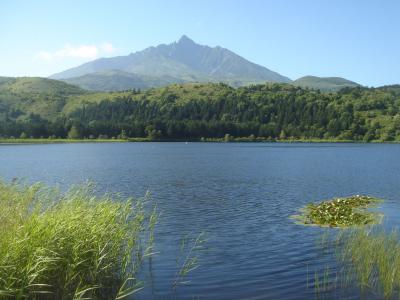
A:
217	62
183	60
326	84
115	80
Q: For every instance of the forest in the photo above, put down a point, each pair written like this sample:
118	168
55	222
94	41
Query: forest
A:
199	111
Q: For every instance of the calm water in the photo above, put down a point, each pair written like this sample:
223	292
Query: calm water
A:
241	195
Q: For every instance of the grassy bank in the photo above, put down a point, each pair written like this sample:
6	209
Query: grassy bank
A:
70	246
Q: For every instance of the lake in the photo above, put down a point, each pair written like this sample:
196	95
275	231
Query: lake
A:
240	194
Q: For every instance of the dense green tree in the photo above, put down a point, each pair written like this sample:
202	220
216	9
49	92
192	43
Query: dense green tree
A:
74	133
192	111
228	138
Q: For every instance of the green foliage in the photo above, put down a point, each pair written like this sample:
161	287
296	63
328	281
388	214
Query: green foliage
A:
53	140
340	212
195	110
228	138
370	258
25	96
282	135
73	133
153	133
187	260
123	135
69	246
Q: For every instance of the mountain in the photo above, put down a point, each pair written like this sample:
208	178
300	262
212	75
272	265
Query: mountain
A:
115	80
182	61
325	84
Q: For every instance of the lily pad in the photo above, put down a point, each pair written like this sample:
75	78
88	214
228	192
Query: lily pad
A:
340	212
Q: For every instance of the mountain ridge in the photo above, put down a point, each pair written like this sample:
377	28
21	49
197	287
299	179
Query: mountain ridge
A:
184	60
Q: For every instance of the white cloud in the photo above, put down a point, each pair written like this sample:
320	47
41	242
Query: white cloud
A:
86	51
44	55
108	48
79	52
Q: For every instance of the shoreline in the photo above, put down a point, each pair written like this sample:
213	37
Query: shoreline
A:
56	141
207	140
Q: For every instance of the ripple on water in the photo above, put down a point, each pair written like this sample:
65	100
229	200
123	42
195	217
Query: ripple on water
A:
241	195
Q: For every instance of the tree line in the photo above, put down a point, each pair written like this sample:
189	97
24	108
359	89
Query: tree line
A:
270	111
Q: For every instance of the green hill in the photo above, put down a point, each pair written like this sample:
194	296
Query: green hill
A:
41	107
325	84
36	85
41	96
393	89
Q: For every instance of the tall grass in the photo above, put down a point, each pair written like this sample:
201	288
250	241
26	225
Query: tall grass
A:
372	258
188	260
70	246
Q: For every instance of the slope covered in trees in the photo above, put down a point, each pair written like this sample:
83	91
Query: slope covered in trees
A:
193	111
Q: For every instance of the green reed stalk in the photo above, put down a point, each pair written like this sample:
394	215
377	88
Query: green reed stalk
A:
69	246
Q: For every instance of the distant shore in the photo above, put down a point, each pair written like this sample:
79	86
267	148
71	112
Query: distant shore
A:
8	141
57	141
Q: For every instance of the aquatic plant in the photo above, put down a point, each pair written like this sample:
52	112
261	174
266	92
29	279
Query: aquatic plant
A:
340	212
188	260
70	246
324	283
371	258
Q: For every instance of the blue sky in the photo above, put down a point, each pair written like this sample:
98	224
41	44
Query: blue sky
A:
355	39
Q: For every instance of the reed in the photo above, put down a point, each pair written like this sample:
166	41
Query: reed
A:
372	257
188	260
71	245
